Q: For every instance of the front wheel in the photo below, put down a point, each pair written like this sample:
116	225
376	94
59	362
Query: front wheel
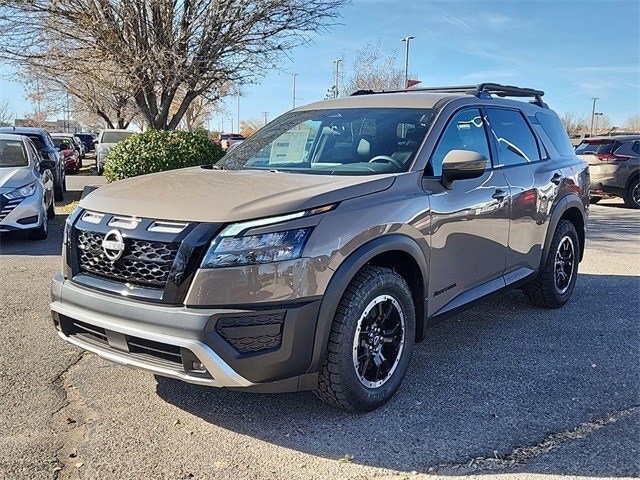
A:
370	343
555	282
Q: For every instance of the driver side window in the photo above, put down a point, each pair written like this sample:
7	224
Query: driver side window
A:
465	131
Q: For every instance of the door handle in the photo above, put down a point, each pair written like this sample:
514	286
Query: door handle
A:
556	179
500	194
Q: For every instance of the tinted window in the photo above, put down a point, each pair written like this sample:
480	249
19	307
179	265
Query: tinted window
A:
465	131
347	141
516	143
556	133
597	147
37	141
636	147
12	154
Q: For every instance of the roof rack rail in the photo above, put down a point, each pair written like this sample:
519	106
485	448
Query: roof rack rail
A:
481	90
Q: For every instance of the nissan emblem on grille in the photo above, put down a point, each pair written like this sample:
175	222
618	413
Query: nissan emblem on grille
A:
113	245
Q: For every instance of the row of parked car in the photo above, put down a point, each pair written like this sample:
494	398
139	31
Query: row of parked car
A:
33	168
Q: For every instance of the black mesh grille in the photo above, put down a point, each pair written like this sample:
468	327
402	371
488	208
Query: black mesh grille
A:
143	263
252	333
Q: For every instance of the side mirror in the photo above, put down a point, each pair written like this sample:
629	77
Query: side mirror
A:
462	165
95	142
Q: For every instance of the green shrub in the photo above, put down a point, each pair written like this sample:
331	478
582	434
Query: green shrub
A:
157	151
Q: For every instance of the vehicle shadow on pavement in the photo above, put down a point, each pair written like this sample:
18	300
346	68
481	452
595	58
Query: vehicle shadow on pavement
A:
497	377
18	243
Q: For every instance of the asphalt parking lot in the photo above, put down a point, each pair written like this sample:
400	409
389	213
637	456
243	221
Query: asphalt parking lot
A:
502	390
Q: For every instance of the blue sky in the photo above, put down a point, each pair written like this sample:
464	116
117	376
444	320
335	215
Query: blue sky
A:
573	50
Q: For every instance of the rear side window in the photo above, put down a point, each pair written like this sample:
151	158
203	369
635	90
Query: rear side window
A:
636	147
556	133
597	147
515	140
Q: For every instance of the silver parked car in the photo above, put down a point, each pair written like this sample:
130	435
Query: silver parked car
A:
614	165
26	193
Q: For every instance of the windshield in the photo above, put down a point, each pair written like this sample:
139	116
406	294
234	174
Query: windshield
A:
115	137
58	141
354	141
12	154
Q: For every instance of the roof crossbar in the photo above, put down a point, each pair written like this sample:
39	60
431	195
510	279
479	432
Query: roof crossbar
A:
482	90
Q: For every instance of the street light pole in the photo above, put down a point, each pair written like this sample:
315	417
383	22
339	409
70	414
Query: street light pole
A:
337	64
593	113
406	41
238	110
265	117
293	97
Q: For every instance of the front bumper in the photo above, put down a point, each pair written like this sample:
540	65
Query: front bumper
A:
269	349
21	214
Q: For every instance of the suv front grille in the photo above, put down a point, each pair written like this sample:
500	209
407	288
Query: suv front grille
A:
144	263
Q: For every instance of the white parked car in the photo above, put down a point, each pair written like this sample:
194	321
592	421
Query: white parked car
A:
26	192
106	140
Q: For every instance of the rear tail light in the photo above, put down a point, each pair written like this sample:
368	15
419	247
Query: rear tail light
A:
610	157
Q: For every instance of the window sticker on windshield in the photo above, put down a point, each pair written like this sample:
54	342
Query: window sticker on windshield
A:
289	147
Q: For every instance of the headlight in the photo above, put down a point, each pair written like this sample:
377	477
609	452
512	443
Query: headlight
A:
22	192
103	150
265	248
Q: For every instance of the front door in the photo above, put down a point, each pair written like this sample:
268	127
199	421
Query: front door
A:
470	223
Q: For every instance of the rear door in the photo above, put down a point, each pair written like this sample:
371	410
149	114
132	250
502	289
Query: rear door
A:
531	177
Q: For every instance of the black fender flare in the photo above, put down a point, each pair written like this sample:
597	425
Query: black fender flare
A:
565	203
347	271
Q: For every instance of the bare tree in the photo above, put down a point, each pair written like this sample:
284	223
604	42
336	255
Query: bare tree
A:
6	113
373	69
97	99
574	123
249	127
161	47
633	123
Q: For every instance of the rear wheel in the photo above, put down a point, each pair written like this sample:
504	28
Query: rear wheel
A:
632	194
370	342
555	283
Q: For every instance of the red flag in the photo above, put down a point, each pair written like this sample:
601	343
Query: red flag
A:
413	83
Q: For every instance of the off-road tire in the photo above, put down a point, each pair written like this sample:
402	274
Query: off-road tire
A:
542	292
338	381
51	212
634	185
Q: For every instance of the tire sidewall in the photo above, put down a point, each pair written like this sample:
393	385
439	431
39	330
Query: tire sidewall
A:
565	229
359	394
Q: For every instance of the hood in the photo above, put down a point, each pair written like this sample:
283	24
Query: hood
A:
12	178
201	195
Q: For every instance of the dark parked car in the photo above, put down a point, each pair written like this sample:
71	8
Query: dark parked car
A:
317	252
88	139
614	165
51	158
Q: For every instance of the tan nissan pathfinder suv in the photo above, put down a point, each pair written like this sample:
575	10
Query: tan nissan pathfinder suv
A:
317	252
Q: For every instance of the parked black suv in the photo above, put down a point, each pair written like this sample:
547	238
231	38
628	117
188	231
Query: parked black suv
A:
51	158
88	139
